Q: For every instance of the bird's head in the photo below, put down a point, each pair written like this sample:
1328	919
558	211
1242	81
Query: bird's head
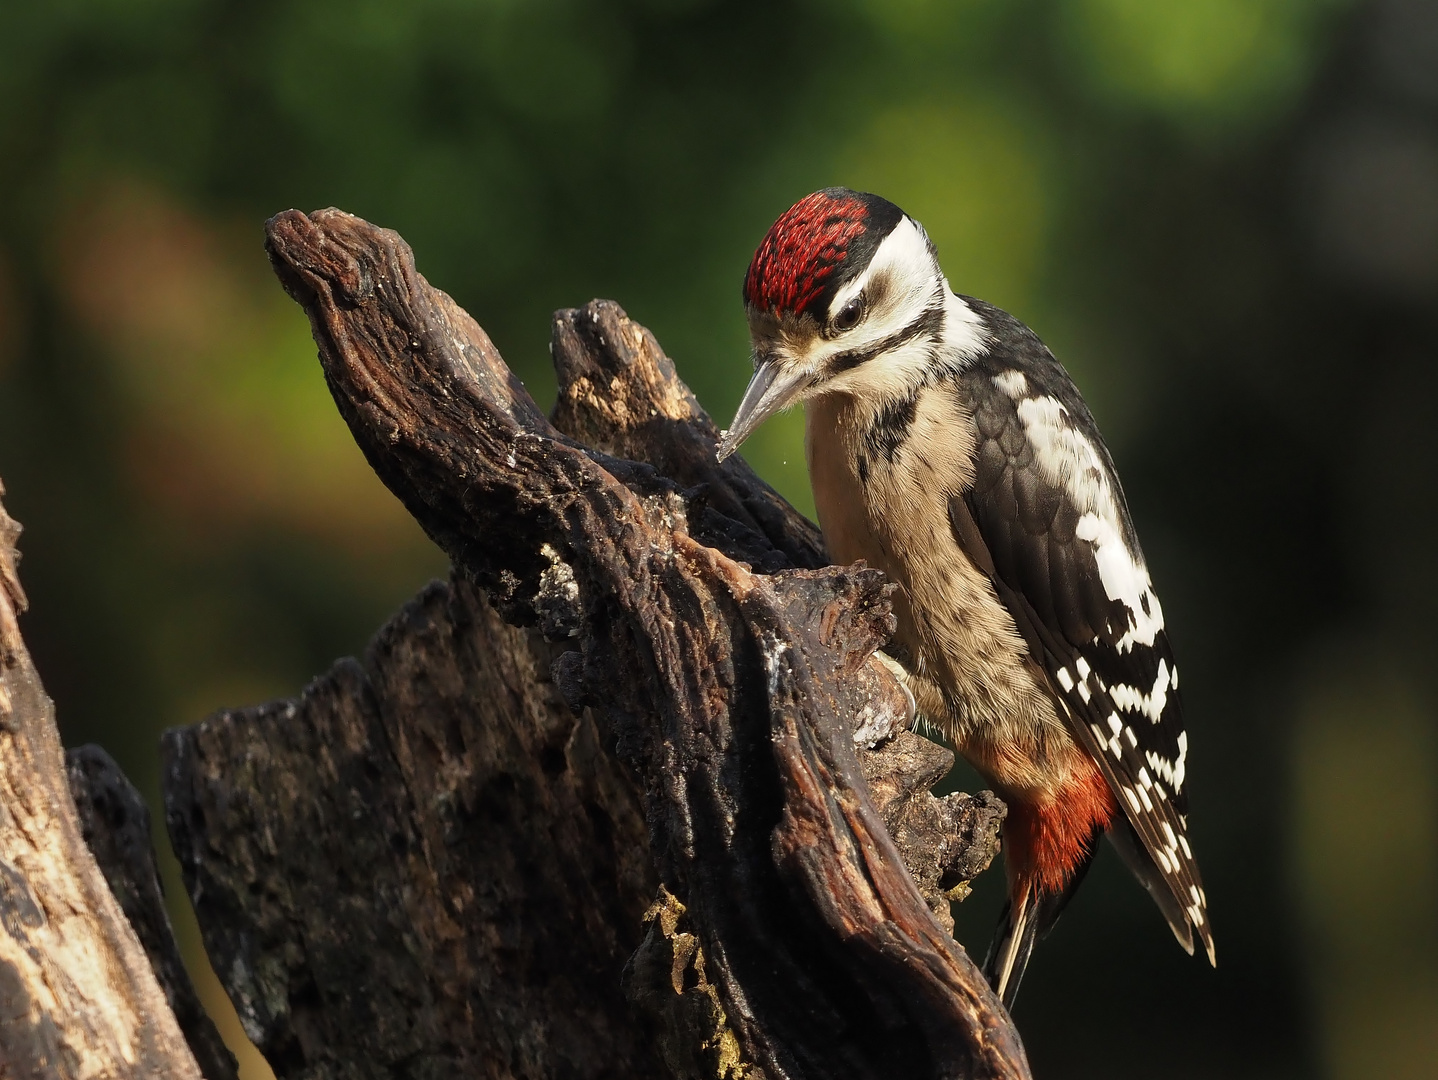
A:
844	295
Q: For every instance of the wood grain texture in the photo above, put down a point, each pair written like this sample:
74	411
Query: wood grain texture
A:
425	866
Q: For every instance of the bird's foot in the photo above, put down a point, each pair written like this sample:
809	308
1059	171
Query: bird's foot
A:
901	676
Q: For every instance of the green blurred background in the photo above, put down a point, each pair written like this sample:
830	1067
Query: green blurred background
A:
1222	214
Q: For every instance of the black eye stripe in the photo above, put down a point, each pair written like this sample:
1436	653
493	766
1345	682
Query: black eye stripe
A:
930	322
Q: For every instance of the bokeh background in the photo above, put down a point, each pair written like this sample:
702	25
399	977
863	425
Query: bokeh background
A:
1222	214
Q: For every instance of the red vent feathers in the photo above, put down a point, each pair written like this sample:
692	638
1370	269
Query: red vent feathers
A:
1044	842
802	250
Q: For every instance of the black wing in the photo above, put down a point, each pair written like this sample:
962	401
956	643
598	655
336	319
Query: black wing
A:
1046	518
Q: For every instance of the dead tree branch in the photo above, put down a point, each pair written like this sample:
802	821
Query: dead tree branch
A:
115	824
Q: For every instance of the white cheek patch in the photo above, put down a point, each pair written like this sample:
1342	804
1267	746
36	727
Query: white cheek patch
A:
914	284
899	372
1067	458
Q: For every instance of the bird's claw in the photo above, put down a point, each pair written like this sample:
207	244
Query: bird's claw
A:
901	676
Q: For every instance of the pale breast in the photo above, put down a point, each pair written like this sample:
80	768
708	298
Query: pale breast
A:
882	482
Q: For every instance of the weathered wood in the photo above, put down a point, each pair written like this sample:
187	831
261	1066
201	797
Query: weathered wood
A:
732	695
425	866
77	996
115	824
619	393
945	843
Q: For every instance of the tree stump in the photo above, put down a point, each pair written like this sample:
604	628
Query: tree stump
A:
627	796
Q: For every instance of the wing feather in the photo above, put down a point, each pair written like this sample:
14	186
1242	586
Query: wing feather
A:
1046	519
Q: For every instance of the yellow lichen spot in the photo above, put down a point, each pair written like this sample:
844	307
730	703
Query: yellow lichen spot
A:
719	1053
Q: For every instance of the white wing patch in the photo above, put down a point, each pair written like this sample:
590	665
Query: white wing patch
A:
1012	382
1066	458
1124	576
1131	699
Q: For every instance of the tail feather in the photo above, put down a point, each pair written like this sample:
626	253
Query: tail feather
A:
1009	952
1140	863
1026	919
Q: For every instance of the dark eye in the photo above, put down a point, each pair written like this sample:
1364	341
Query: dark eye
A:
849	315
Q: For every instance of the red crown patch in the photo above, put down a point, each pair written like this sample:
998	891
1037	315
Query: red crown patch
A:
802	250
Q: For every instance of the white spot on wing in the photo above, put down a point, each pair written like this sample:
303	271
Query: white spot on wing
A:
1151	704
1012	383
1160	765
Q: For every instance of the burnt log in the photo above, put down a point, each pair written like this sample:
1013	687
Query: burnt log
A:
616	749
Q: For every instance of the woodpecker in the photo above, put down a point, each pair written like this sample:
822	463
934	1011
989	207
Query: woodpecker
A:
949	448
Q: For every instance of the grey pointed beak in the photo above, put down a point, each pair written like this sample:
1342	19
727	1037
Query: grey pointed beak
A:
771	388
